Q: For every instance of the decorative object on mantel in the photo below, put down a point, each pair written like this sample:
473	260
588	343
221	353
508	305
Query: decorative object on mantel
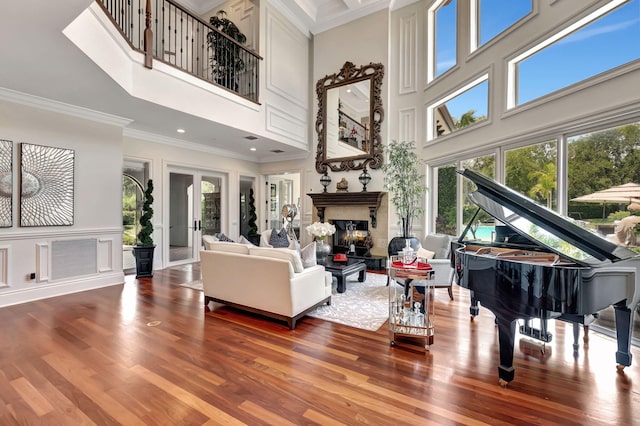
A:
342	186
325	180
406	187
360	144
370	200
320	231
364	178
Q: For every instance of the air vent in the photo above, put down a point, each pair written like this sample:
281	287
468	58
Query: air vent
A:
251	138
277	151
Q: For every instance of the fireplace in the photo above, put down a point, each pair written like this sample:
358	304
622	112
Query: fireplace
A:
348	233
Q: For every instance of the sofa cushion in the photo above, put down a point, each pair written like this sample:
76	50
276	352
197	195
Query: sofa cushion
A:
308	255
229	247
439	244
279	239
280	253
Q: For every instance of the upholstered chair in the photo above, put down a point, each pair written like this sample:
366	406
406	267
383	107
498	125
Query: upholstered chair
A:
440	245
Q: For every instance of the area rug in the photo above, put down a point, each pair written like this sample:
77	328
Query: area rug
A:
364	305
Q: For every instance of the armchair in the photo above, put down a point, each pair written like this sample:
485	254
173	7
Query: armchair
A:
440	245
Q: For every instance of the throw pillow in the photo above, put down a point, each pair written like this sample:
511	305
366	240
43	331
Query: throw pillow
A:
424	253
221	237
279	239
243	240
308	255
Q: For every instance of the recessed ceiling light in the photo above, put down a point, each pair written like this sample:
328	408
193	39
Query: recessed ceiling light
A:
252	149
251	137
180	130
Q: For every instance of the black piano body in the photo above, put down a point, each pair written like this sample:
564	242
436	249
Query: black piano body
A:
539	264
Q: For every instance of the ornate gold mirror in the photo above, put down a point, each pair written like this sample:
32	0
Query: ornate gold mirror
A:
349	116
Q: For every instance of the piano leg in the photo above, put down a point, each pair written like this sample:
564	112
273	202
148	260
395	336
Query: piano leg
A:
506	335
624	319
474	310
576	336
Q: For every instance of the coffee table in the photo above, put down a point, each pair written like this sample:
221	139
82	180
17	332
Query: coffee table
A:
341	270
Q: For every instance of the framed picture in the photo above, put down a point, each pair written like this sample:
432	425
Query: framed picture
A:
46	185
6	183
274	198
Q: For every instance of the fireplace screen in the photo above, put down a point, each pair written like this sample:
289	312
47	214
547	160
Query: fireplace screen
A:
350	236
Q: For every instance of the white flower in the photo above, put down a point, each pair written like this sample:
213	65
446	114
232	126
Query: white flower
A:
321	229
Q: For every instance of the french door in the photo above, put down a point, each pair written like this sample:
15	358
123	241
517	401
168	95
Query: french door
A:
196	206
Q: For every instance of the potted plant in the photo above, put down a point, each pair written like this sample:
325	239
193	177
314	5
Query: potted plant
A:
143	250
253	235
403	179
320	231
225	60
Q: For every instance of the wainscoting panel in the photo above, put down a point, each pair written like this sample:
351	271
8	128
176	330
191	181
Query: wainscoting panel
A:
105	255
408	51
284	124
73	258
407	124
4	266
42	262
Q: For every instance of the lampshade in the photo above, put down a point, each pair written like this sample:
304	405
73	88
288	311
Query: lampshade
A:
364	179
325	180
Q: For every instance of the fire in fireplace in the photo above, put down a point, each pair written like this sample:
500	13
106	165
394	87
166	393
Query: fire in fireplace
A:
350	236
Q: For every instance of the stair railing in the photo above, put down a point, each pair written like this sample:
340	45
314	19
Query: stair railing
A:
167	32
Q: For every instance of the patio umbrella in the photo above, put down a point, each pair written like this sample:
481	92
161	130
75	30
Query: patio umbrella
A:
627	193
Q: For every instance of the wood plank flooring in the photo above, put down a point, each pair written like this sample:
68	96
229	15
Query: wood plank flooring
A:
146	353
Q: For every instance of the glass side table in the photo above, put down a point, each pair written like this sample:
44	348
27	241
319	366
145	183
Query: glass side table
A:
411	303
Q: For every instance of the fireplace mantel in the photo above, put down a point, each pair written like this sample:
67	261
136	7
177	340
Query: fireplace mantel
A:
371	200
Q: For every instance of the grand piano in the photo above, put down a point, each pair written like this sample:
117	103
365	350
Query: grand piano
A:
541	265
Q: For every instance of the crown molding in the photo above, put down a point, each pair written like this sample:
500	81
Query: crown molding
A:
62	108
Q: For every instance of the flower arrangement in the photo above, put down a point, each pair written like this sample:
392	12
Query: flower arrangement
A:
321	229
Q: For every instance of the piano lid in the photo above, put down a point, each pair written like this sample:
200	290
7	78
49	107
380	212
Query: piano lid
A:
557	233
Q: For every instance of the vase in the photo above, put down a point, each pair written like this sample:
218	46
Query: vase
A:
323	249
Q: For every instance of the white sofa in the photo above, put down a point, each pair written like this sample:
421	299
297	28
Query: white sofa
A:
267	281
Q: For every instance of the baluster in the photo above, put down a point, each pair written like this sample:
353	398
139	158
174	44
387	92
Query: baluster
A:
148	37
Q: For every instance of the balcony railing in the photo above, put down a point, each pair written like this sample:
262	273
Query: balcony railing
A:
165	31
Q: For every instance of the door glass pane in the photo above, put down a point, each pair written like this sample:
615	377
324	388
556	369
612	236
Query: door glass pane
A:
210	205
180	216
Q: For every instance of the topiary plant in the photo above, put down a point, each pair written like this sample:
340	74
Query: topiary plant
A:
253	228
145	238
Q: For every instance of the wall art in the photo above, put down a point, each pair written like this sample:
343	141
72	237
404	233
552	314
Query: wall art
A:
6	183
46	181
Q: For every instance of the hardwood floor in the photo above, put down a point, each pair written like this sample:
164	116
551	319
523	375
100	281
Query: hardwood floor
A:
145	353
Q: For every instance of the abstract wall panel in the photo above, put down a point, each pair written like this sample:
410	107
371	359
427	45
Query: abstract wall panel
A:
6	183
46	196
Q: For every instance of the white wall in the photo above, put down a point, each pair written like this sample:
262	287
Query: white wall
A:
97	201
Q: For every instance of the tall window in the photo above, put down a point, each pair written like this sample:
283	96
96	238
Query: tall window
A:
441	55
532	171
460	109
599	161
447	206
495	16
485	165
597	43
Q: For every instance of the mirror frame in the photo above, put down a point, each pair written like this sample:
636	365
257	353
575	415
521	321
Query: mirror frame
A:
351	74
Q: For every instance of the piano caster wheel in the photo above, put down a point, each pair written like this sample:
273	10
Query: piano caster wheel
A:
503	383
620	368
472	317
393	343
